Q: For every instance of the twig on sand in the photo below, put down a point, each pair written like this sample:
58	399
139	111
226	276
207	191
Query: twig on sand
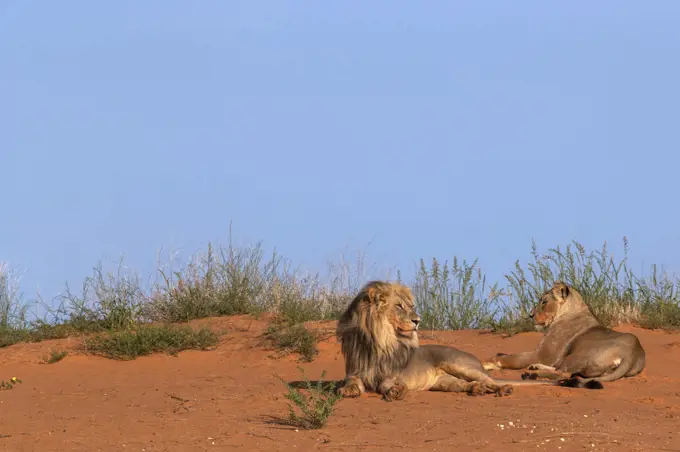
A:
335	446
563	434
258	435
172	396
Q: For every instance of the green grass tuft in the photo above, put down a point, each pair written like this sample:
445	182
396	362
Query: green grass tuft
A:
148	339
55	357
290	337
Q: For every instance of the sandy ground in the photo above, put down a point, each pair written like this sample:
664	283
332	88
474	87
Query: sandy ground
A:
228	398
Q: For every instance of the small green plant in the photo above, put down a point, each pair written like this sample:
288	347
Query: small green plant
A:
292	337
148	339
55	356
315	408
7	385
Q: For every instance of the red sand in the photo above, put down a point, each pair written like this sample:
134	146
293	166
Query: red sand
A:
225	399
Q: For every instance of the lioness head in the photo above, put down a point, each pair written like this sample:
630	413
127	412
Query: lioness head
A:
379	330
560	300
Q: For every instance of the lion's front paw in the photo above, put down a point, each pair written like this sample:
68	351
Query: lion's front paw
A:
350	390
478	389
504	390
529	376
396	392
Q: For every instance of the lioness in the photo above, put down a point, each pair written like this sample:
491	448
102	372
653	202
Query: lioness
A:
379	336
576	347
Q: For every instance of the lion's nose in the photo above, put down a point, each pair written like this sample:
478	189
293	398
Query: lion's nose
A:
416	321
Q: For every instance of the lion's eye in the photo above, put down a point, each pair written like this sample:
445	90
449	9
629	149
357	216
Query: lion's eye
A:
401	307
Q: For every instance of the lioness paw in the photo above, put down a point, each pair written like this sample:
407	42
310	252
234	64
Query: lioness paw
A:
529	376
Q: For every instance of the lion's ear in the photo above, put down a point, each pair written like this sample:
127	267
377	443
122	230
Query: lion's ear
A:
376	296
373	294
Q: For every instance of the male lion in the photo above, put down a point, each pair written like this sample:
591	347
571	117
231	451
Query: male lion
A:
379	336
576	347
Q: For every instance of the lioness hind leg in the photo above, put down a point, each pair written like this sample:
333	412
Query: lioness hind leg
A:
599	366
351	387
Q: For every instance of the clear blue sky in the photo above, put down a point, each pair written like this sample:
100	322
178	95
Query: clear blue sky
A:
426	129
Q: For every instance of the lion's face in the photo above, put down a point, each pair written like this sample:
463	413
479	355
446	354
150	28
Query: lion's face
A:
557	301
402	314
386	311
392	312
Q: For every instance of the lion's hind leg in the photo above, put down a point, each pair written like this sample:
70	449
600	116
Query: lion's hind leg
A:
474	373
449	383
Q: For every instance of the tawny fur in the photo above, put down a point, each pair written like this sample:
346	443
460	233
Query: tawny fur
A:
379	337
576	348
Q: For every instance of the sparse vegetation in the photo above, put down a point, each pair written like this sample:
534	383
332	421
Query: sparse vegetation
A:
147	339
233	280
55	356
455	297
315	408
9	384
460	297
291	337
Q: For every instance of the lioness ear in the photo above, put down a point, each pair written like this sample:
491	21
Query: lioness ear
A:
562	289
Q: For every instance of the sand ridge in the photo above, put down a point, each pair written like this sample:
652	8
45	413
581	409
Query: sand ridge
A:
227	398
